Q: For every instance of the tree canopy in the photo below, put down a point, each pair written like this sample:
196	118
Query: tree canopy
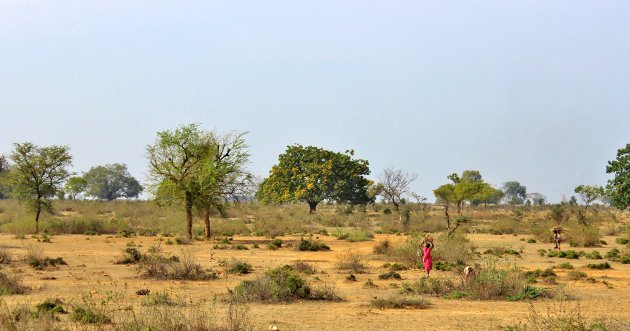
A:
74	186
197	168
619	186
110	182
37	175
394	186
313	174
514	193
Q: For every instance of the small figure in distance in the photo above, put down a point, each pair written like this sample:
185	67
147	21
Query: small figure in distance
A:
557	231
427	259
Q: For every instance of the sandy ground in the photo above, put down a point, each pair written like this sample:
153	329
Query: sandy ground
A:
91	269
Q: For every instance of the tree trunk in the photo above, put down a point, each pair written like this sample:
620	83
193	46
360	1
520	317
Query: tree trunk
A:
396	206
206	219
448	218
37	213
312	206
189	214
459	207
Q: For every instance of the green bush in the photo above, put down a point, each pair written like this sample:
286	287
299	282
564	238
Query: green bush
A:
594	255
575	275
89	316
398	302
275	244
604	265
307	245
565	265
622	241
390	275
281	285
235	266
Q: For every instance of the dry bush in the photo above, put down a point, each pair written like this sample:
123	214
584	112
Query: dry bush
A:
563	315
5	257
304	267
583	236
11	283
22	317
352	261
382	247
399	302
158	266
235	266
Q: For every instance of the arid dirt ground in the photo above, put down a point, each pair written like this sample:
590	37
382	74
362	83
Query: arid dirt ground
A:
91	269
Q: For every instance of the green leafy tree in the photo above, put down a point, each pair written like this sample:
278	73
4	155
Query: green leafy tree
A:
445	196
37	175
4	177
618	188
313	175
174	160
222	175
514	193
588	194
75	186
110	182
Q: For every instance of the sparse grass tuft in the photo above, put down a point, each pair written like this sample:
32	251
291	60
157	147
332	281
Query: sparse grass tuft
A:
352	261
400	302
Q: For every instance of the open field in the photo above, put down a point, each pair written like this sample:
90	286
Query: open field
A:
92	275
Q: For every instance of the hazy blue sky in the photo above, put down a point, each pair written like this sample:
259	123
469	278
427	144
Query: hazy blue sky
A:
534	91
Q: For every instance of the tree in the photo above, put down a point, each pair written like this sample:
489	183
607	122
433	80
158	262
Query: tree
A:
588	194
537	198
514	193
110	182
618	188
4	171
222	175
445	195
395	185
469	187
37	175
489	194
174	160
313	174
75	186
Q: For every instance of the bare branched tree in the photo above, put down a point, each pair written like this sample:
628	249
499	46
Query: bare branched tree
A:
395	185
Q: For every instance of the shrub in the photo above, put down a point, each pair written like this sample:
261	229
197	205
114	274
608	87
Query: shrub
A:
500	251
625	259
156	265
50	306
5	257
604	265
353	262
531	241
575	275
398	302
11	283
430	286
565	265
382	247
529	292
396	267
235	266
390	275
275	244
306	245
613	254
584	236
88	316
622	241
594	255
279	285
130	256
161	299
304	268
359	235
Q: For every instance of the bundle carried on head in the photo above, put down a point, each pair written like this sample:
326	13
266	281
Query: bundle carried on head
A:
428	238
557	229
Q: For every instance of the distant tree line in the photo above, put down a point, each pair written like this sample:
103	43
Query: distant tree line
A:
202	171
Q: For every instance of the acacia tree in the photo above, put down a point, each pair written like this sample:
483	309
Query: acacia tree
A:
174	159
37	175
618	188
75	186
222	175
445	195
394	185
588	194
313	174
537	198
110	182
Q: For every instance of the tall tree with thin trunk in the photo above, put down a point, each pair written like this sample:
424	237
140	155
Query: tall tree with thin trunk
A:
222	176
395	186
37	175
174	160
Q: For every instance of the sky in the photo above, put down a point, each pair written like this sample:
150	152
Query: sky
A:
533	91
